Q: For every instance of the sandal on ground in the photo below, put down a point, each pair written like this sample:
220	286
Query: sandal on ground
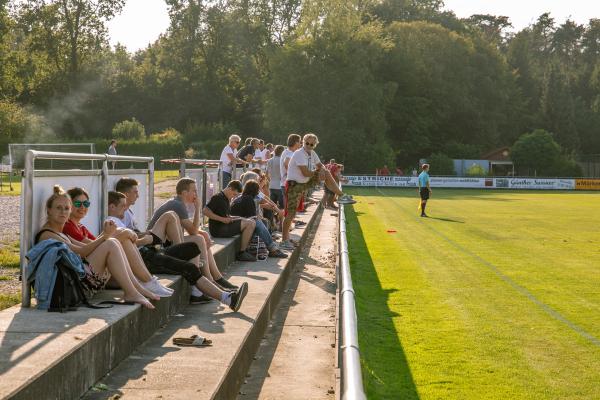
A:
192	341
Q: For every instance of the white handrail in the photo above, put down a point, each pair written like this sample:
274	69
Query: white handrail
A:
351	375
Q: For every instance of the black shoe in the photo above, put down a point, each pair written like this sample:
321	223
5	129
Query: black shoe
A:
424	215
300	223
238	296
225	284
200	299
245	256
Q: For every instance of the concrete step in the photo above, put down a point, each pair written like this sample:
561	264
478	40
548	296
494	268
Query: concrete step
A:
60	356
159	369
297	355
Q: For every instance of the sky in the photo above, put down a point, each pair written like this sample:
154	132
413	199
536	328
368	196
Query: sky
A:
142	21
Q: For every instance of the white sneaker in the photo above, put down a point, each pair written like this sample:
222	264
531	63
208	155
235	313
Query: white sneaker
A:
346	199
196	292
155	287
155	278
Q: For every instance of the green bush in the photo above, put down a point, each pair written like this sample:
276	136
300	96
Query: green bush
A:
169	135
129	130
441	164
536	152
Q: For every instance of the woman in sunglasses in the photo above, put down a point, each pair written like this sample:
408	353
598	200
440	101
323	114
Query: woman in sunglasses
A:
103	258
77	231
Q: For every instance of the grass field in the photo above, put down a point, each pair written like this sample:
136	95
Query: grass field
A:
496	296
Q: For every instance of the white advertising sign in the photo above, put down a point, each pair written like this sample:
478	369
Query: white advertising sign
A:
463	182
535	183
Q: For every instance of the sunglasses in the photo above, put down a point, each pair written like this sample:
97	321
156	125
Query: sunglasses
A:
85	203
310	144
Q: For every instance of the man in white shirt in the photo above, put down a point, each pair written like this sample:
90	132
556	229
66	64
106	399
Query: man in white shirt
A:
112	150
305	170
262	155
229	158
293	144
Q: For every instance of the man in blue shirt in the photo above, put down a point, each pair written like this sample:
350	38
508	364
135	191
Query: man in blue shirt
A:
424	188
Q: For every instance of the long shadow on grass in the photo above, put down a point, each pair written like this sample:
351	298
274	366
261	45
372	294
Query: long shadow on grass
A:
386	372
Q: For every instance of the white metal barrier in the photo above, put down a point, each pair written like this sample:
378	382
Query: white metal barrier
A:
37	187
348	352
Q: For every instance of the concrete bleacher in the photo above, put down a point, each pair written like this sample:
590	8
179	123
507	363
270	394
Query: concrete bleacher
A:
52	355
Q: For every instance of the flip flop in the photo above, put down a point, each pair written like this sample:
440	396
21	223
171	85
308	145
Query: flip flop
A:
193	341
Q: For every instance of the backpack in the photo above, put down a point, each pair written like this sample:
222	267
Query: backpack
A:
258	248
69	293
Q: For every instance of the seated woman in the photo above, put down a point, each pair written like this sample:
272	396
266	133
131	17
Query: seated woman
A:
103	257
77	231
245	206
268	208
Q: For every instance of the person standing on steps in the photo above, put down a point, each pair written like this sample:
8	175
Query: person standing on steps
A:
112	150
424	188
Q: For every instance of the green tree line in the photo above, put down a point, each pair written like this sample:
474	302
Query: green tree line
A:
380	81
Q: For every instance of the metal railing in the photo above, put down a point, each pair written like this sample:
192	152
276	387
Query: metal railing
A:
348	352
26	234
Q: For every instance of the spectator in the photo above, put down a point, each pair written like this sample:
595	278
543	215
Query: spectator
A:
399	171
222	224
166	228
334	169
247	152
229	158
187	194
384	171
293	144
261	154
112	150
246	206
270	149
274	173
304	171
102	257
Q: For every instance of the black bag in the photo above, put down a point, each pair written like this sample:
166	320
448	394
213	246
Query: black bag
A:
67	293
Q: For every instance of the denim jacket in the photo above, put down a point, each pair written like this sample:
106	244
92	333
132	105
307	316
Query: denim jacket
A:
42	268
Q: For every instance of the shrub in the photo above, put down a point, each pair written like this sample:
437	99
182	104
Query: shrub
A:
441	164
129	130
536	152
169	135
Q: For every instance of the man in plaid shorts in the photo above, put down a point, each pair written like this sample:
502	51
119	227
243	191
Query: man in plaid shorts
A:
305	170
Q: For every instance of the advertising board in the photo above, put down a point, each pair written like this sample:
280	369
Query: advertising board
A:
477	183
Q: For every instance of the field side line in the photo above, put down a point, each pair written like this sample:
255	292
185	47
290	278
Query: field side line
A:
546	308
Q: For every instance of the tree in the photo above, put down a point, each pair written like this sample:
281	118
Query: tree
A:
68	32
536	152
492	27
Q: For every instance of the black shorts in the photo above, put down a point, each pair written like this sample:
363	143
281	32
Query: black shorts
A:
424	193
226	230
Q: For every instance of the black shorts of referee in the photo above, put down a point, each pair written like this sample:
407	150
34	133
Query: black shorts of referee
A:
424	192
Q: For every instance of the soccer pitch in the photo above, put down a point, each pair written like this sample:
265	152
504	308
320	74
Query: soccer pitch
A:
496	296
